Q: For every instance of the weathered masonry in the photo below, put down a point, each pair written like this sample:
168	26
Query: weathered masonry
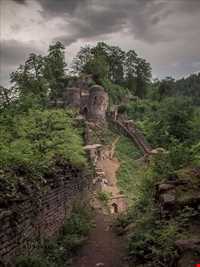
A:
38	216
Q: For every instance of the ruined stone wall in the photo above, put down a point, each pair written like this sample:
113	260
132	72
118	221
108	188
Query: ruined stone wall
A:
40	216
72	97
131	132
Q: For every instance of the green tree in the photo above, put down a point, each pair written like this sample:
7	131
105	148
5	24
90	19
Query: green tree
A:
130	70
54	71
98	67
143	76
166	87
7	96
171	121
81	59
112	56
28	79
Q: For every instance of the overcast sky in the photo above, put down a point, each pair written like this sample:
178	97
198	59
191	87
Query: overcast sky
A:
164	32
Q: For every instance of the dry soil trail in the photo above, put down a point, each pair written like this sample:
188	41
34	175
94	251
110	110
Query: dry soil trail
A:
103	248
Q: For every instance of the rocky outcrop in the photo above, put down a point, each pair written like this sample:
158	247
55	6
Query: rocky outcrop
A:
179	199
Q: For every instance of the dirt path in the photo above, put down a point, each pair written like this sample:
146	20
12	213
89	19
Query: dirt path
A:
104	248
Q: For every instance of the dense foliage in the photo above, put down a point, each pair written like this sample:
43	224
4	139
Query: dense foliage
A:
112	63
34	140
33	137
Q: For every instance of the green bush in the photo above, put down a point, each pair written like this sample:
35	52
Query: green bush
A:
79	222
35	139
32	261
154	241
127	176
116	92
103	196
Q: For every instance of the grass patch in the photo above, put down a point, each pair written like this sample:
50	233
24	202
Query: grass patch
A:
104	196
127	175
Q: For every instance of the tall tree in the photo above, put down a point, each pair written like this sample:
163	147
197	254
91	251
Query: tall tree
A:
166	87
97	67
54	71
143	76
81	59
130	70
28	79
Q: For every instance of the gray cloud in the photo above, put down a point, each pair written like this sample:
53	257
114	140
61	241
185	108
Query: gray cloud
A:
61	7
12	54
165	32
93	18
89	19
20	1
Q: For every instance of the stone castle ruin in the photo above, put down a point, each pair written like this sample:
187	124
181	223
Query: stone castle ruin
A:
90	100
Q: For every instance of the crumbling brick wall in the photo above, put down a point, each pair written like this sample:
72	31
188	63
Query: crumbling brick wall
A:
39	216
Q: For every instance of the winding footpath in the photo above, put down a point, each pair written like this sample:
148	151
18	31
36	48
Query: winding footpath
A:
104	248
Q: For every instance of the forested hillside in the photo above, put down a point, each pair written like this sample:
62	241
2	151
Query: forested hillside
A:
36	137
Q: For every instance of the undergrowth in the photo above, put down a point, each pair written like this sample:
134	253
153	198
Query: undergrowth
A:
151	237
31	145
127	175
104	197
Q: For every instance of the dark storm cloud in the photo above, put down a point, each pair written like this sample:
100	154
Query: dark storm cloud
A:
20	1
93	18
61	7
90	19
165	32
12	52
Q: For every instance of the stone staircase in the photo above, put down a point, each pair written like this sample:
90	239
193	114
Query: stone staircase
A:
129	128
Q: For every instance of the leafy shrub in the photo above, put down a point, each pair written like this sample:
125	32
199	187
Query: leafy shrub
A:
32	261
178	156
154	241
35	139
78	223
116	92
127	175
103	196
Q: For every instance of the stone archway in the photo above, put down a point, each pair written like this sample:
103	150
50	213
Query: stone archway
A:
85	111
114	208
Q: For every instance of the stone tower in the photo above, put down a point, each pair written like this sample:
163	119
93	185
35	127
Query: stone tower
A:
98	103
